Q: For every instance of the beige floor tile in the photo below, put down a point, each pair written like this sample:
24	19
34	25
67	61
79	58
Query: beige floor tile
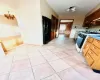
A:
22	75
53	77
71	61
20	57
42	71
21	65
59	65
4	77
50	57
71	74
5	65
45	51
34	54
37	60
87	72
61	54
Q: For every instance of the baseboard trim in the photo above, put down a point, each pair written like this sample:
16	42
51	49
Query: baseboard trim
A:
96	71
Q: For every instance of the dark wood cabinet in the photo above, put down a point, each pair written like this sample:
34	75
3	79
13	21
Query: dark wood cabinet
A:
86	23
93	19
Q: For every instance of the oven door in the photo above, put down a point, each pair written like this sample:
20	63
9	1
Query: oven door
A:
80	40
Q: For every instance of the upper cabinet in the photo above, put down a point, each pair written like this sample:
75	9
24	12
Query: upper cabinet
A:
93	19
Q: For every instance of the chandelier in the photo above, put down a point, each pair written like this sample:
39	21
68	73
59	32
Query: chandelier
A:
9	16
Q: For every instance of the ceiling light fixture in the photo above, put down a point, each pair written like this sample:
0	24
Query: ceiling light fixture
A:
9	16
72	9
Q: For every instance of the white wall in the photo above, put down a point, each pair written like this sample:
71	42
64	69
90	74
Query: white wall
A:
28	13
46	10
8	27
30	22
78	22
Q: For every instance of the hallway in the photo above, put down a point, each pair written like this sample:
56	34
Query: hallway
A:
58	60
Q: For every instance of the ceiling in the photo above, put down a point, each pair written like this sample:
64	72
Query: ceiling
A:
9	3
82	6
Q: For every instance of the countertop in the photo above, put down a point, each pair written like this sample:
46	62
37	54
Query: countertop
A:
96	37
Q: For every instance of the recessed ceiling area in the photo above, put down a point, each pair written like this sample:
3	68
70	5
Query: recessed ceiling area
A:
82	6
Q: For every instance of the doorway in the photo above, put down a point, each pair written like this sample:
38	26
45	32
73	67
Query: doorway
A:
54	27
65	27
62	28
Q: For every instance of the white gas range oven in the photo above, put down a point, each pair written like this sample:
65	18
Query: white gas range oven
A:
82	38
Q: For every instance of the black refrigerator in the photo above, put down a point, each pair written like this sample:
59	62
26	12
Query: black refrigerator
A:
46	22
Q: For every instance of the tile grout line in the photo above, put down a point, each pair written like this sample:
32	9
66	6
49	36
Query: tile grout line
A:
14	61
31	67
66	57
80	73
47	77
11	68
60	58
51	67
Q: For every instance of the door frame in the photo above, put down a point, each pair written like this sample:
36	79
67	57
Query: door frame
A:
54	26
66	24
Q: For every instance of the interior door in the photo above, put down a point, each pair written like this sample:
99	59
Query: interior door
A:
46	29
68	28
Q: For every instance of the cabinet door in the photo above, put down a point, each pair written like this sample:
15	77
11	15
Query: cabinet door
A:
90	39
89	59
95	49
92	54
96	43
96	65
86	47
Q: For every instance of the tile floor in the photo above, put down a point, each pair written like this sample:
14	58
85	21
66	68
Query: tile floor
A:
58	60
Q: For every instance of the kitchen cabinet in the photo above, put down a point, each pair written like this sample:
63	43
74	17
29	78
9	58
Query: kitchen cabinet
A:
93	19
86	23
89	59
90	40
87	45
91	52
